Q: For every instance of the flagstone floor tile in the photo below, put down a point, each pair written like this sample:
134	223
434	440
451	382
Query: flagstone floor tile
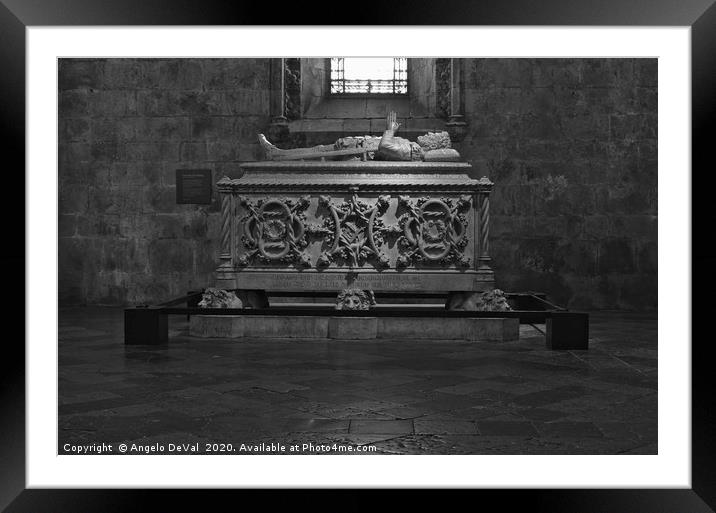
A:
451	397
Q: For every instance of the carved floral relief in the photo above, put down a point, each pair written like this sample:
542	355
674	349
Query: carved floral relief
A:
274	231
433	230
354	232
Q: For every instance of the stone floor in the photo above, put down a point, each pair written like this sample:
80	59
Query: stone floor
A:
422	397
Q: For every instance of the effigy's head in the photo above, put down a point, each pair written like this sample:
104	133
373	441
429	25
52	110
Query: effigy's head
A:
354	299
434	141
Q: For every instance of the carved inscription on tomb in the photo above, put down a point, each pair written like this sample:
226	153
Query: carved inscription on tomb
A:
338	281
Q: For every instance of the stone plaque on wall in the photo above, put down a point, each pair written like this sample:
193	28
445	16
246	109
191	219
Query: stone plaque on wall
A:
193	186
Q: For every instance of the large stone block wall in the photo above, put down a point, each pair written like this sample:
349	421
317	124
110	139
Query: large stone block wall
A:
570	144
125	126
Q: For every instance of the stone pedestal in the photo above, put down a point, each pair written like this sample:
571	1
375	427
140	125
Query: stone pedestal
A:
252	327
353	328
216	326
568	330
479	329
381	226
279	326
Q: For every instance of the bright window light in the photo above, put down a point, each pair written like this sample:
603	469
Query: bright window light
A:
362	75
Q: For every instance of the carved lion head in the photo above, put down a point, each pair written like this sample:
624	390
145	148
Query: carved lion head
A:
355	299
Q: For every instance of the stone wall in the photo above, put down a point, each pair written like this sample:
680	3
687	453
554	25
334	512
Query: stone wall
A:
570	143
572	147
125	126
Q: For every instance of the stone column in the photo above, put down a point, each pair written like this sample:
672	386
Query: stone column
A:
228	228
278	130
482	213
456	125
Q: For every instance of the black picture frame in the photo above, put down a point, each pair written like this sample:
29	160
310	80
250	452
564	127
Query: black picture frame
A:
17	15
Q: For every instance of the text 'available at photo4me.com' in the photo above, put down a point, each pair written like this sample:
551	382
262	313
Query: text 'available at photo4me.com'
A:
183	447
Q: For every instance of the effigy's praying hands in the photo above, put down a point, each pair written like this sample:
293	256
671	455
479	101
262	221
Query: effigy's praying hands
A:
391	122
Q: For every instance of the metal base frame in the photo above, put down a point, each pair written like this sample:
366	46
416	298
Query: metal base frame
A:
148	325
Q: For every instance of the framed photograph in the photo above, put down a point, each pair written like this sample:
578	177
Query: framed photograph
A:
501	211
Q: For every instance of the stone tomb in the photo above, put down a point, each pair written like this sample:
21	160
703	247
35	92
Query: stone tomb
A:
411	227
381	226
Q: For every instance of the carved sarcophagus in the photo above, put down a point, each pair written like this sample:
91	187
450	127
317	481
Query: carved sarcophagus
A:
381	226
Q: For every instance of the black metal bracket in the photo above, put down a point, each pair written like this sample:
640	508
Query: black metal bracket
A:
148	325
567	330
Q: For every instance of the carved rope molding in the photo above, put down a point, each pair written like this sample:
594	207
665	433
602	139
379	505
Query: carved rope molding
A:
227	222
484	231
292	88
226	230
